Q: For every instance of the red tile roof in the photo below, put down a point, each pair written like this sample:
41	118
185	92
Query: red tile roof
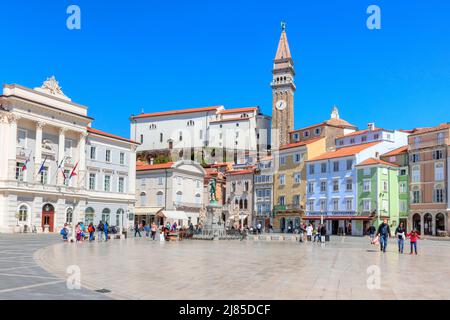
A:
175	112
345	152
238	110
442	126
361	132
238	172
373	161
299	144
109	135
160	166
396	152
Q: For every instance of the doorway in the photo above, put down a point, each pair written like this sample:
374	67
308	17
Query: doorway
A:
48	217
334	227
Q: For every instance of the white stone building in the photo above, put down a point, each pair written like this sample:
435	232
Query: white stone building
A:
221	135
47	137
170	192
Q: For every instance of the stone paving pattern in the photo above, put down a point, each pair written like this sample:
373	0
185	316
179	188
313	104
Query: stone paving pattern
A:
143	269
21	278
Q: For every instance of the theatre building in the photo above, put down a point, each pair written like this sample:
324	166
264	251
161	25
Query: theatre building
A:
57	169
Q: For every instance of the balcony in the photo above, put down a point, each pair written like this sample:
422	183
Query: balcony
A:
191	205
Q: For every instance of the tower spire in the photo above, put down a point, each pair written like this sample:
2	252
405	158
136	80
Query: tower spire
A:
283	51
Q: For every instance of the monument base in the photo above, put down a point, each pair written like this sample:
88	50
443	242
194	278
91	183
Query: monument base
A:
213	215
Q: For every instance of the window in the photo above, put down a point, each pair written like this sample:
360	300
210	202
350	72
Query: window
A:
385	205
246	186
323	205
415	174
438	154
297	158
439	172
364	138
122	158
107	186
439	194
143	199
336	166
335	204
19	171
323	168
190	123
403	206
335	185
201	134
297	178
179	180
403	187
44	175
376	136
367	171
440	138
296	200
341	142
282	160
152	126
317	131
160	199
106	216
121	186
281	201
352	140
161	137
311	205
296	137
23	213
310	187
160	181
323	186
69	216
349	204
93	153
282	179
311	169
92	178
68	148
306	134
415	157
22	138
180	138
142	138
366	205
233	187
367	185
403	172
349	184
108	156
385	186
349	164
416	196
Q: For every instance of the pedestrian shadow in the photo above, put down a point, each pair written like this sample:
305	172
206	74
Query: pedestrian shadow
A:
372	250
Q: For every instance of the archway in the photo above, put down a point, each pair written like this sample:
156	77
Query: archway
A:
428	224
48	217
440	223
416	222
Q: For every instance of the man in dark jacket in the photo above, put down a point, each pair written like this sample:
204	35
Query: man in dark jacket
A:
323	233
384	232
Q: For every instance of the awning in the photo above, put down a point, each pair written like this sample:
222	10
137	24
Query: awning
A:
174	215
146	211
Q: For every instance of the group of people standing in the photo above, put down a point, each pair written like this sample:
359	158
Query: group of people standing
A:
82	233
383	234
313	233
150	230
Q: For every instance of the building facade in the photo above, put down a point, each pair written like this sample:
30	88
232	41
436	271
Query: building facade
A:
332	178
263	195
170	192
45	175
428	165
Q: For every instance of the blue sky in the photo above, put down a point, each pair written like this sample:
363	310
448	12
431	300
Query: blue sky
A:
162	55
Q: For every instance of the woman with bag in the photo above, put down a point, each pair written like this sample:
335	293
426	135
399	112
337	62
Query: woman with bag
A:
400	233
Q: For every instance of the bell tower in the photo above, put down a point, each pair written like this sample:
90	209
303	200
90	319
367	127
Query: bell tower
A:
283	89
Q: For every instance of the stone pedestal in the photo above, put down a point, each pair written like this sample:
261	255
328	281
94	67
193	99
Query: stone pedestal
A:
213	214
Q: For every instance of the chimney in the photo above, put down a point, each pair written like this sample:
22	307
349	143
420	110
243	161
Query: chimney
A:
151	161
371	126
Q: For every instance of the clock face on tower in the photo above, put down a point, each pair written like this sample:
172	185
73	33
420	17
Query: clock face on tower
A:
281	105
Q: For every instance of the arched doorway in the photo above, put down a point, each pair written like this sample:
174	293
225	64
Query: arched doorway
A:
428	224
440	223
416	222
48	217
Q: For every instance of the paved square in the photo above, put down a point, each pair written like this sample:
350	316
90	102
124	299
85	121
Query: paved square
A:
142	269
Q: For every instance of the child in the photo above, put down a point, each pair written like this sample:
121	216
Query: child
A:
64	233
413	236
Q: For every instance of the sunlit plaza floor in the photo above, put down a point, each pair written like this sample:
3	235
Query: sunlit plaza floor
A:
345	268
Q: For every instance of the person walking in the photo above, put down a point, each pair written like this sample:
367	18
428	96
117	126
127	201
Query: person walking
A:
400	233
100	229
106	230
91	230
413	237
137	230
316	233
372	231
384	232
147	231
323	233
309	232
153	231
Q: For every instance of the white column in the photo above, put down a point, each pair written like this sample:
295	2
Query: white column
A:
81	180
4	136
38	149
61	153
12	145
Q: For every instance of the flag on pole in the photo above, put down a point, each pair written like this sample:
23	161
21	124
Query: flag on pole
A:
60	166
25	165
42	169
73	173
